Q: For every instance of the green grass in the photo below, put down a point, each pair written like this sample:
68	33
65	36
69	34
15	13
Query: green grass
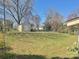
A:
45	44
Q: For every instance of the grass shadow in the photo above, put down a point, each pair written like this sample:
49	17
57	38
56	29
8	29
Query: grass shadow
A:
64	58
6	55
15	56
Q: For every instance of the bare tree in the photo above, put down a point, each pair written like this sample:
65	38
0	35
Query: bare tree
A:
36	20
53	21
72	15
18	9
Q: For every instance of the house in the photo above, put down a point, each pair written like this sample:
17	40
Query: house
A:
73	21
73	25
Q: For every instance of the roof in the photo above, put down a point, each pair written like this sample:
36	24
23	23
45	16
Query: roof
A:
72	19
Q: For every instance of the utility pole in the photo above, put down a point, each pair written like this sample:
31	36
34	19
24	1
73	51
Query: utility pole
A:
4	15
78	40
4	41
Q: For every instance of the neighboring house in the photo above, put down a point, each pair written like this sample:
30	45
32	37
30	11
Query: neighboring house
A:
7	25
41	28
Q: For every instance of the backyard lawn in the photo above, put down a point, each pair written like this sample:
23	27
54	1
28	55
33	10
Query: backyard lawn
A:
40	45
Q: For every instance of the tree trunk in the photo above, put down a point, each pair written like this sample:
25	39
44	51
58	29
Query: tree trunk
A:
19	28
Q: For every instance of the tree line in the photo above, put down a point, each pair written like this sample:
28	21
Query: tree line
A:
57	23
21	13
